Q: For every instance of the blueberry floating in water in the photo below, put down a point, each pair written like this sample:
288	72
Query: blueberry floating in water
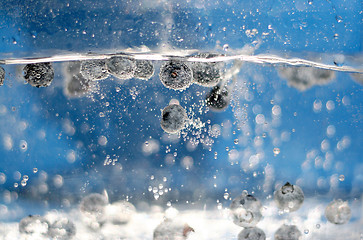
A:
2	76
207	74
94	69
78	86
39	74
246	210
338	212
218	98
121	67
176	75
172	229
119	212
62	229
289	197
288	232
252	233
173	118
303	78
34	225
144	69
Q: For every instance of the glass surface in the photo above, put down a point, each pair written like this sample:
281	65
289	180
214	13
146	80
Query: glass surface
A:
262	93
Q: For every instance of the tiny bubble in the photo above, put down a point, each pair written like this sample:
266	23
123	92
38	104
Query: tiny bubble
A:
341	178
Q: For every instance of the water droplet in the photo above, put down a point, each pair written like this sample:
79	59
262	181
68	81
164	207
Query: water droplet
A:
35	170
341	178
318	226
306	231
236	141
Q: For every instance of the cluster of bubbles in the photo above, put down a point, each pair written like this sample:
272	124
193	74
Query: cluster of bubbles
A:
38	226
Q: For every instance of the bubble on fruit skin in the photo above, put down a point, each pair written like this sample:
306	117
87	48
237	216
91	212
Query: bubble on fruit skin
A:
289	197
94	70
39	74
121	67
173	118
207	74
290	232
338	212
172	229
252	233
246	210
176	75
144	69
2	75
218	98
34	225
62	229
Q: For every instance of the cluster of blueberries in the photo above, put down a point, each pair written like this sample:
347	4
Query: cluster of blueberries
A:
174	74
246	212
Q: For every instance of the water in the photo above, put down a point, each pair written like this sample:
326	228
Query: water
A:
272	93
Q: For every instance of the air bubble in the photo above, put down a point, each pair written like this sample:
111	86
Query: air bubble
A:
338	212
341	178
252	233
121	67
39	74
173	118
94	70
176	75
246	210
289	197
276	151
